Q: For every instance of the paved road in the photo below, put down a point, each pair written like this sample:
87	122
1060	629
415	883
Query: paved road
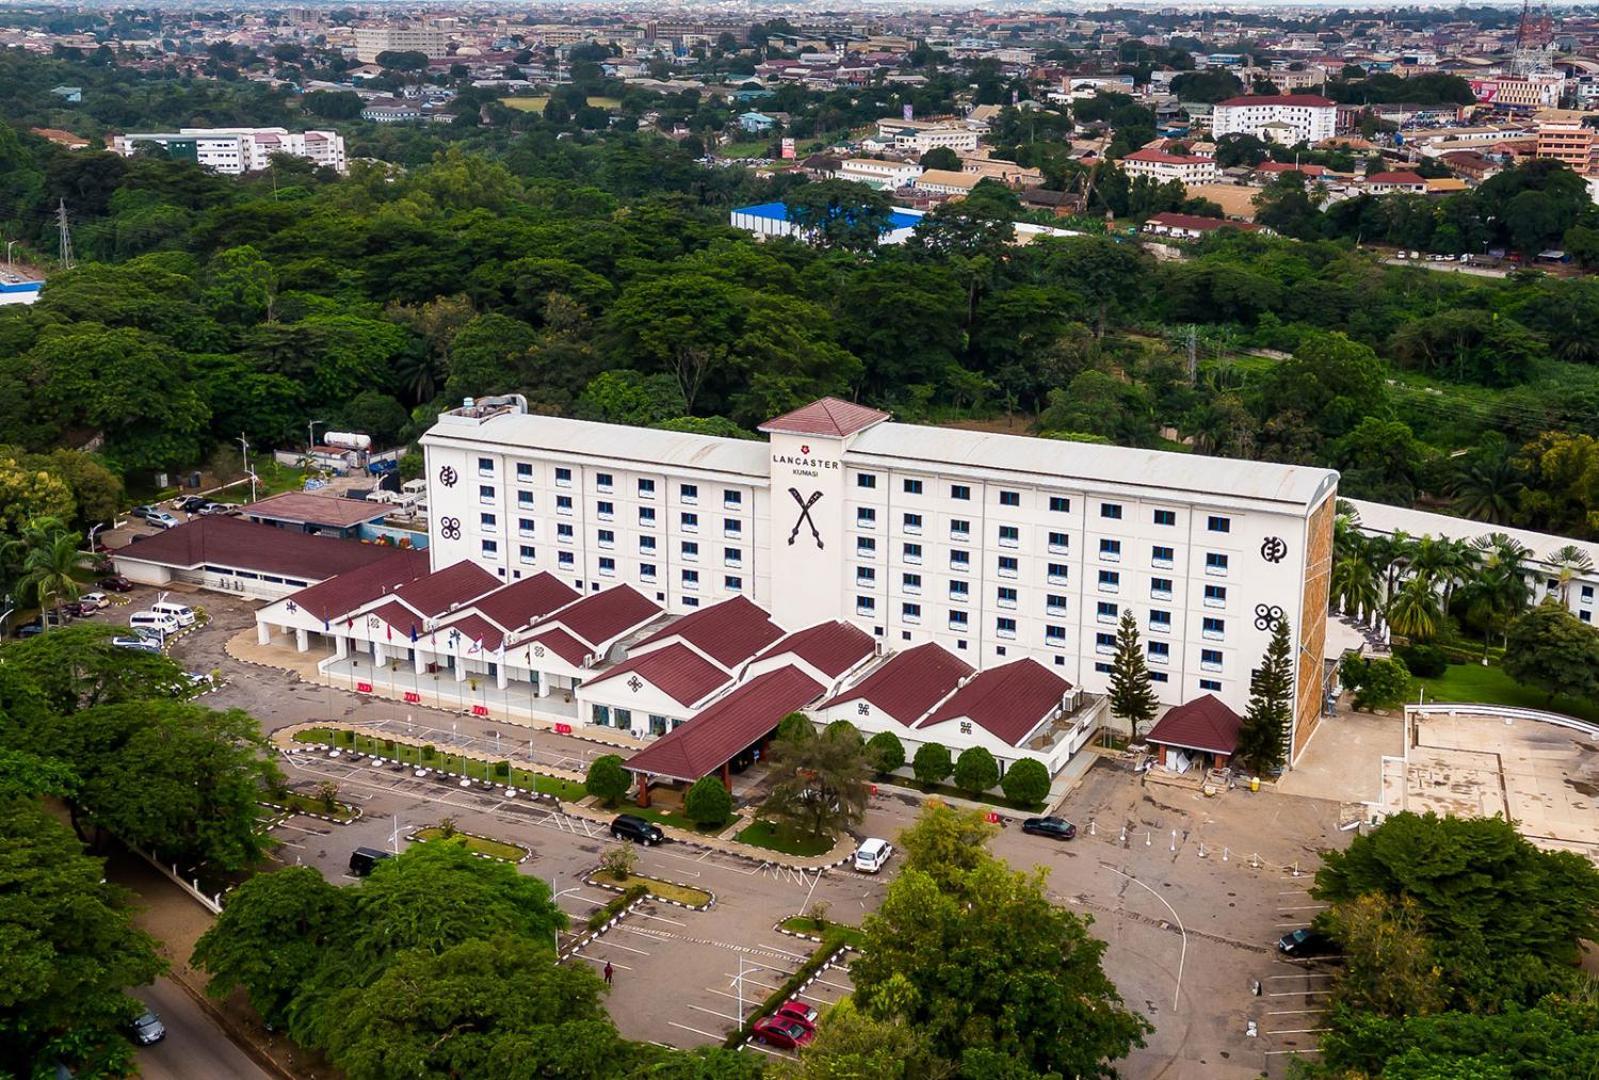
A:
195	1047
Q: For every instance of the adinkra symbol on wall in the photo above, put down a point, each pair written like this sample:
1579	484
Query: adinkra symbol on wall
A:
805	503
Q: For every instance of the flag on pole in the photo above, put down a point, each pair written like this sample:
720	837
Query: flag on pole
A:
388	632
477	647
413	633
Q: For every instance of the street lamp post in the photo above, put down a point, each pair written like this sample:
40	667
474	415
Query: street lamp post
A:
11	263
310	444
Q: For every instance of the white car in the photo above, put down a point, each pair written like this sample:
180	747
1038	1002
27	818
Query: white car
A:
96	600
872	855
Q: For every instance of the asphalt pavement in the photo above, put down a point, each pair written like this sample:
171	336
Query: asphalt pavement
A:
195	1047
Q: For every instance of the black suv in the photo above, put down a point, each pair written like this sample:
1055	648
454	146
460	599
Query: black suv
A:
1306	942
635	828
1053	827
363	859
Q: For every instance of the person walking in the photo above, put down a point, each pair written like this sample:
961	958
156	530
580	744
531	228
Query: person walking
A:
610	972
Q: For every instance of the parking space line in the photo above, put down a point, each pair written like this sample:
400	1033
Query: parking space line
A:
732	978
614	944
601	960
835	986
1306	1050
659	918
1299	1031
1300	993
1303	975
752	1045
696	1031
1295	1012
713	1012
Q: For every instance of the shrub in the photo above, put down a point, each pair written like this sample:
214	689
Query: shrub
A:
607	780
1378	684
617	904
502	768
618	861
708	802
1424	661
886	752
428	751
976	771
843	729
796	726
1027	782
931	764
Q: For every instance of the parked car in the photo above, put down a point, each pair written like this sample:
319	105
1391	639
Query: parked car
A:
29	630
363	859
1306	942
783	1032
1053	827
163	520
796	1009
147	1029
214	509
188	503
635	828
139	643
872	855
77	609
145	512
116	583
94	600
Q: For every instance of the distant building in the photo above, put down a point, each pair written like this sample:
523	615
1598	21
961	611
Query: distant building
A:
390	111
1160	166
72	95
1396	183
1290	118
756	123
235	151
883	175
946	182
373	41
1191	226
1519	93
1564	135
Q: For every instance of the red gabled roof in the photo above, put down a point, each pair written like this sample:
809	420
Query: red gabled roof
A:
559	642
1193	221
1395	178
830	647
729	632
1288	167
909	684
1162	157
343	593
829	416
733	723
1309	100
1008	701
303	508
1205	723
247	545
397	616
472	627
525	602
677	670
455	585
604	616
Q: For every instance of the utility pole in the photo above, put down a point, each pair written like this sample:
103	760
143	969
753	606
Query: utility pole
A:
245	446
66	236
1193	354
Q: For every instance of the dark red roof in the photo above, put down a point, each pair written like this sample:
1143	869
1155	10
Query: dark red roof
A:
1289	166
1163	157
677	670
559	642
455	585
733	723
472	627
729	632
1311	100
1193	221
397	616
829	416
1205	723
909	684
303	508
830	647
1008	701
1395	178
525	602
245	545
343	593
604	616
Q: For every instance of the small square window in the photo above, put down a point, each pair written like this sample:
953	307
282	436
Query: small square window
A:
691	522
1214	628
1009	535
865	517
1005	627
1210	684
958	620
1218	524
607	566
1215	596
1105	645
646	516
603	481
646	489
960	561
913	553
606	538
526	553
1160	588
1055	604
525	499
524	471
911	583
961	492
563	504
1007	566
525	526
732	583
1106	612
646	571
691	549
1110	550
1055	635
1059	504
865	605
1109	581
865	480
1162	556
913	523
866	546
732	527
491	547
865	575
959	590
1215	563
564	533
565	559
1010	498
485	493
1110	510
646	543
913	487
689	493
731	498
605	510
960	530
1059	573
1165	517
563	477
733	556
485	466
911	613
487	521
1006	596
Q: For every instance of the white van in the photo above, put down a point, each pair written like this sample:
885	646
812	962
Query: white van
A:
872	855
181	612
166	625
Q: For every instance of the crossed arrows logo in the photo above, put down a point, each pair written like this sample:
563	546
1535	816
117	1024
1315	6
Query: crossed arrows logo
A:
804	518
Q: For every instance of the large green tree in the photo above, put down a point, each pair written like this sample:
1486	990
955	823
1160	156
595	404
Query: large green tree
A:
1551	649
1132	695
1263	737
819	784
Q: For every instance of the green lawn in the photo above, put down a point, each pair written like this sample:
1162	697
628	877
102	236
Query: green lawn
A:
675	819
745	148
764	834
476	768
481	845
1491	686
294	800
804	924
664	890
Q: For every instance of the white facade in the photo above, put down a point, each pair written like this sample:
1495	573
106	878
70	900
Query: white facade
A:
883	175
1311	118
996	547
372	41
1161	167
234	151
960	140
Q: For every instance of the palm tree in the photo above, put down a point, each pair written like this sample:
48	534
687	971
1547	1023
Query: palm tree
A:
1498	591
1488	487
1415	611
48	567
1447	562
1354	585
1568	562
1390	556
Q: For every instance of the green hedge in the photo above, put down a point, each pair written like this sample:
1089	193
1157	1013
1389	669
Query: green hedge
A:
617	904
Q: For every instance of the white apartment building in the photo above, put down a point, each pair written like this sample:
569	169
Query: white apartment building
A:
995	547
373	41
883	175
1284	117
961	140
235	151
1160	166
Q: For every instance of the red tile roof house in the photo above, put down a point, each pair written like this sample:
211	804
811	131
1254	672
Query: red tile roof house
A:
1202	732
563	649
1388	183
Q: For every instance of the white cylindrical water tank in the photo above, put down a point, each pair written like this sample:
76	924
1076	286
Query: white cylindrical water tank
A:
347	440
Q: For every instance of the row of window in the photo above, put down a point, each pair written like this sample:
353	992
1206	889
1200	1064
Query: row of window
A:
1055	635
1160	588
1009	566
1057	504
688	493
566	560
1161	676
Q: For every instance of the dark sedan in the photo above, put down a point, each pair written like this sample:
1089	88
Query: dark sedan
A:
1306	942
1053	827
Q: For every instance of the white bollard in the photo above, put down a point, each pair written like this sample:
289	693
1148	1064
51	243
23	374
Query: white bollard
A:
1201	849
1091	827
1296	868
1224	853
1148	838
1174	839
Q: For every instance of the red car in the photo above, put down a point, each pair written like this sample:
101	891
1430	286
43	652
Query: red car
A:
116	583
796	1009
783	1032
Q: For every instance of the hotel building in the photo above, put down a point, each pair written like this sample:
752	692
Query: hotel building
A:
997	548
